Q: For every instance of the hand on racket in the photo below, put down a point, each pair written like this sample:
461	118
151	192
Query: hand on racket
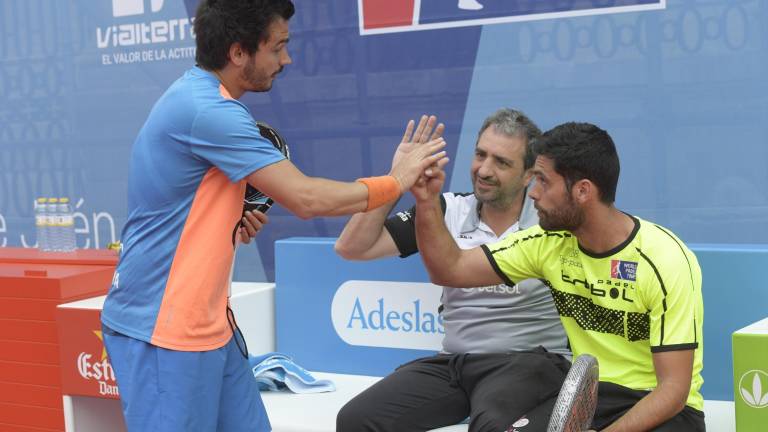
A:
251	224
256	203
255	199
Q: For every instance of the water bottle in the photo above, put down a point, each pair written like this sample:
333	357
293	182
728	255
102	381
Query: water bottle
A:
66	226
41	223
54	231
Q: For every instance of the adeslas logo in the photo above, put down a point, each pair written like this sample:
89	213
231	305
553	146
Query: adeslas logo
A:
388	314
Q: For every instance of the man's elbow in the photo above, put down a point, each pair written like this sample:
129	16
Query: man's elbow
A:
441	279
305	206
681	402
680	406
305	213
678	398
346	251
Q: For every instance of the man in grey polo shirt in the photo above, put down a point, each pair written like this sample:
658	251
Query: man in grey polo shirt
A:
504	351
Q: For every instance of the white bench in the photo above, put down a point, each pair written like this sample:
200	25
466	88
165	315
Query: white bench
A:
316	412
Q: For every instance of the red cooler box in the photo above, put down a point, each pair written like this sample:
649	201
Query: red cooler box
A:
32	284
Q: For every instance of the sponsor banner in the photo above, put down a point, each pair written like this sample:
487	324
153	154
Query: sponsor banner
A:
363	318
393	16
85	367
141	31
750	376
388	314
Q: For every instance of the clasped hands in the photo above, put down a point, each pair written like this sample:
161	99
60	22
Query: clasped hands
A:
430	182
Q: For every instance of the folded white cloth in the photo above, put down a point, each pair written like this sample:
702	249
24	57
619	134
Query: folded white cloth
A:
276	371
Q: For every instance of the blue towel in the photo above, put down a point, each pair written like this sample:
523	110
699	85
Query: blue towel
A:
275	371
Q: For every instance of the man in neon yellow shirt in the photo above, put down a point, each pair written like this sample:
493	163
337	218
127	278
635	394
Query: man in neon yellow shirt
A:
628	291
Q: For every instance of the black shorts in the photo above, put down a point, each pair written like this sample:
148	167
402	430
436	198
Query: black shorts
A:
613	401
495	391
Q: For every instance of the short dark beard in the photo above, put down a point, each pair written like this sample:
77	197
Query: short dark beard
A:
567	218
247	76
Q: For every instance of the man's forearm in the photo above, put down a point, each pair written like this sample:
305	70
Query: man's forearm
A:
362	232
438	249
658	406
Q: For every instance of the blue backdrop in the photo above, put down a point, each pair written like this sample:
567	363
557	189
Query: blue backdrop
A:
680	86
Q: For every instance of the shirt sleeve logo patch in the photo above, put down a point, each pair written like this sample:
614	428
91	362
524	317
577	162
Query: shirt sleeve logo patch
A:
404	216
625	270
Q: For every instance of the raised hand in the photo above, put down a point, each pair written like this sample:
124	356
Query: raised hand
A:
425	131
414	163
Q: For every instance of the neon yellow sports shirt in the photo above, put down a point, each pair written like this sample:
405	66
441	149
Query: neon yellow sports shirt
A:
621	306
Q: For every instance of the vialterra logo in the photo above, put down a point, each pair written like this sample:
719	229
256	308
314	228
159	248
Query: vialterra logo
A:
144	28
751	387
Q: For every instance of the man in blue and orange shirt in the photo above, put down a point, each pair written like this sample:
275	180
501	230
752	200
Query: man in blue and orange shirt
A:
165	318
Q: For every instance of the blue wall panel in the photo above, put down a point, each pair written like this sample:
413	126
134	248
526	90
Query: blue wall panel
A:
681	89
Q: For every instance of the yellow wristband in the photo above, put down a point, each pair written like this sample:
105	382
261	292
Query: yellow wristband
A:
381	190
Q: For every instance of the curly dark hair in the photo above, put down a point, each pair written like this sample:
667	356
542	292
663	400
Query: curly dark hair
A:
583	151
220	23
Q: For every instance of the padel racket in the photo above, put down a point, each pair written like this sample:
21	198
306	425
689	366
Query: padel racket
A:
254	198
576	403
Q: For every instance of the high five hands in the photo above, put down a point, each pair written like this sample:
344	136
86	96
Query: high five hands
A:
430	182
417	154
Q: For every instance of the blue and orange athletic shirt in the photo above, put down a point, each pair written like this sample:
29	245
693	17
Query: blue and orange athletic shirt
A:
185	196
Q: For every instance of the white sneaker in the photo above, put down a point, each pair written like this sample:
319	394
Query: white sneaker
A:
470	5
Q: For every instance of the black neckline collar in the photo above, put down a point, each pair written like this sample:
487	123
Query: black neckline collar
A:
618	248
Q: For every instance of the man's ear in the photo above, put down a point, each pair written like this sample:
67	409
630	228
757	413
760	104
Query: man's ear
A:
584	191
527	177
237	55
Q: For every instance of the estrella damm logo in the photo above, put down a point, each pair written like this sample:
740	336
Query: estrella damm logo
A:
753	388
98	368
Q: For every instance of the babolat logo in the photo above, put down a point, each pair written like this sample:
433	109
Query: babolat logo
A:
603	288
98	369
144	32
388	314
